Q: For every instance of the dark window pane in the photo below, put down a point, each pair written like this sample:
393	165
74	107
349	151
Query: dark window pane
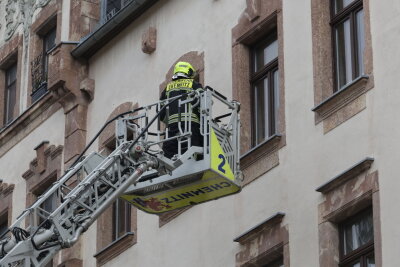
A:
49	40
344	65
11	75
277	263
10	94
3	224
112	7
121	218
276	93
11	100
265	53
358	233
260	115
371	261
360	41
340	4
49	205
265	84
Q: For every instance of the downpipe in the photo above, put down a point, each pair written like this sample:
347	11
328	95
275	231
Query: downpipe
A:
150	163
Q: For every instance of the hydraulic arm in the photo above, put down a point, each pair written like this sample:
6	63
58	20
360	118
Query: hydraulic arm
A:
136	171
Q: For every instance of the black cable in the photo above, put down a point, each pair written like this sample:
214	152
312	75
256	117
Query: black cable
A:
100	131
36	231
45	222
123	114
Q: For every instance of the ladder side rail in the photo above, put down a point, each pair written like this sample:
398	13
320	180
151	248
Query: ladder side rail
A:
53	189
66	237
95	175
222	98
120	190
81	190
79	202
33	211
65	210
237	126
69	239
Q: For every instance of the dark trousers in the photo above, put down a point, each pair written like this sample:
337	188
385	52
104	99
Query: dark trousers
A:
170	148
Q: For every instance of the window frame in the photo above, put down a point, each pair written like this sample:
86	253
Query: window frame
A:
8	88
116	231
50	34
267	71
40	63
348	12
53	203
361	253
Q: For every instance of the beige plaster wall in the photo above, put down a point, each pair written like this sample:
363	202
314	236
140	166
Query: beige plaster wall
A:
16	161
203	235
385	120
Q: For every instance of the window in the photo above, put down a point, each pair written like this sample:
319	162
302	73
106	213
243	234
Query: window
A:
3	223
111	7
264	81
277	263
121	223
10	94
40	65
49	205
348	38
357	241
117	225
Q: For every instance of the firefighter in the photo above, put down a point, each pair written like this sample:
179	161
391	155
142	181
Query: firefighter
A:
182	82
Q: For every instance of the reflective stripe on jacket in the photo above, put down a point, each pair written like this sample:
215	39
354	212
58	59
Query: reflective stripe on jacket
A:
175	88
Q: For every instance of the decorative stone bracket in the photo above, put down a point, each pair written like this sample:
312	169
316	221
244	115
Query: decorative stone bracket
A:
149	41
47	161
5	189
66	76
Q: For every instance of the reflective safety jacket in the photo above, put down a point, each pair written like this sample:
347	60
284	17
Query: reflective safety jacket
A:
175	88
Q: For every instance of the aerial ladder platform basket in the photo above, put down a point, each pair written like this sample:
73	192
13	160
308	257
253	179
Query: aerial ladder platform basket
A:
192	180
137	171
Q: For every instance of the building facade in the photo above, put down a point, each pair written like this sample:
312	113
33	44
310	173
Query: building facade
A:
319	106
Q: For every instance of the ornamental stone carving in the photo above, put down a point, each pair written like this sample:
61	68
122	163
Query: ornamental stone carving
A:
20	12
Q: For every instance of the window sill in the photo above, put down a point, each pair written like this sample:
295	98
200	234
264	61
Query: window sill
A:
22	125
261	158
115	248
28	111
339	100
